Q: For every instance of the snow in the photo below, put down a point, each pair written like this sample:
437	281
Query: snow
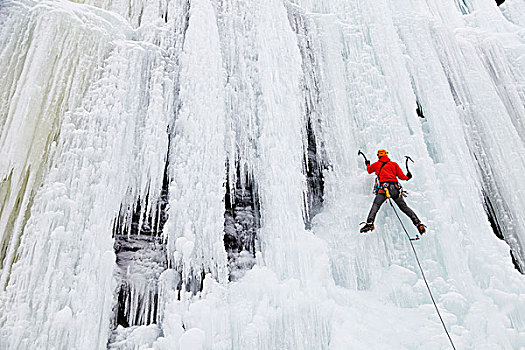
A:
102	102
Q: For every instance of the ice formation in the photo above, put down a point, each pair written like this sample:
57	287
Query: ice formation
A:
183	174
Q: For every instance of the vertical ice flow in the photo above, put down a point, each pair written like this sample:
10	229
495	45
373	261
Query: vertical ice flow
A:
99	96
197	162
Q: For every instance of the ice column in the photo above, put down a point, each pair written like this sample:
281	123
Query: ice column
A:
195	227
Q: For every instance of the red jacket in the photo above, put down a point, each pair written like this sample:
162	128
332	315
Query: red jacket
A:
390	172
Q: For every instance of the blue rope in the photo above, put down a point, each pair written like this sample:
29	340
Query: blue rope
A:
423	274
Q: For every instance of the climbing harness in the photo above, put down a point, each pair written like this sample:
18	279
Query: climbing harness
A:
402	192
422	273
385	187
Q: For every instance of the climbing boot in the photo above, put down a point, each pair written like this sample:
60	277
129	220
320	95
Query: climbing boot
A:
367	227
421	228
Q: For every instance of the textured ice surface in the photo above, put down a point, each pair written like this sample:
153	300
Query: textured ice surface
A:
514	11
105	105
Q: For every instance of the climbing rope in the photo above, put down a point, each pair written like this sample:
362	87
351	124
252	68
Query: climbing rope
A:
422	273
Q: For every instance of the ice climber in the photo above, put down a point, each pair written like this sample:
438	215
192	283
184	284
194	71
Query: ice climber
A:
387	186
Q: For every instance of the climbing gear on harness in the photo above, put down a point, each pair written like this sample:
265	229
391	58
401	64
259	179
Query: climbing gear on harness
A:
422	273
377	184
386	187
421	228
402	192
381	152
367	227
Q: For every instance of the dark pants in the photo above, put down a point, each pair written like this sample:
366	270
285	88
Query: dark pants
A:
394	194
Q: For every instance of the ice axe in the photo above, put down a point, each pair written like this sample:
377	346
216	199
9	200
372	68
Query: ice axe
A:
361	153
406	164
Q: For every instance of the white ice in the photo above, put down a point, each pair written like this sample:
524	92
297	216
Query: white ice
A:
98	95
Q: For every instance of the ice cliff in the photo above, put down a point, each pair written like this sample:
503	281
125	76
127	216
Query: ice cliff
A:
183	174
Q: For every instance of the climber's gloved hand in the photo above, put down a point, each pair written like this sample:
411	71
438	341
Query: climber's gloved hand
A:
409	175
367	162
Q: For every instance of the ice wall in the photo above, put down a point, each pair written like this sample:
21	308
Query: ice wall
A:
514	11
124	123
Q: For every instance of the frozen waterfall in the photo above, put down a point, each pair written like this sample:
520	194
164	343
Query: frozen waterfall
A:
183	174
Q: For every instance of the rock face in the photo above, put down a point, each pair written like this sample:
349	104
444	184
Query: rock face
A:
140	260
183	174
241	224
